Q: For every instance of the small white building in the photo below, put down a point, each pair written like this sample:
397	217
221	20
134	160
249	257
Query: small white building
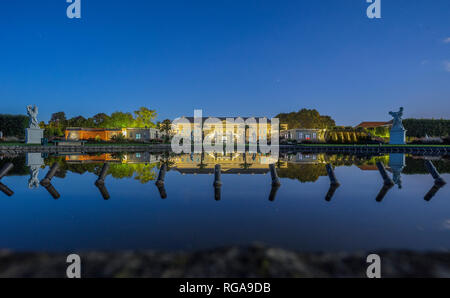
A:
141	134
304	134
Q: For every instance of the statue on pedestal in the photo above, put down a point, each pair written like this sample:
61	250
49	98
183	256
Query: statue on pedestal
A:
33	134
398	131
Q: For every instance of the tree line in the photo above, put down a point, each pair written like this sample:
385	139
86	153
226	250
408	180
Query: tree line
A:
142	118
432	127
306	118
13	125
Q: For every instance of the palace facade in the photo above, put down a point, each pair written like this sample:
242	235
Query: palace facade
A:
250	132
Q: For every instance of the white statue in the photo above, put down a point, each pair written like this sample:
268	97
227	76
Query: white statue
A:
397	118
32	113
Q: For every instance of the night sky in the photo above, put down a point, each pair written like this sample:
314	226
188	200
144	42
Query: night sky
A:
229	58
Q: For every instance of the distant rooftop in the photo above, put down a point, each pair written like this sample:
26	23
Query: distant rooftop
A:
368	124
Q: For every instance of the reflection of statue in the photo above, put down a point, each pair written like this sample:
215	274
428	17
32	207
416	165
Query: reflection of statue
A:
397	163
32	113
397	118
397	178
33	182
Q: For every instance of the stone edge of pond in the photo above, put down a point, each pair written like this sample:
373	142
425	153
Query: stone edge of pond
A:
413	149
255	261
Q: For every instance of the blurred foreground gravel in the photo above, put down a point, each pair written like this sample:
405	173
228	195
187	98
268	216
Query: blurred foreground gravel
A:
253	261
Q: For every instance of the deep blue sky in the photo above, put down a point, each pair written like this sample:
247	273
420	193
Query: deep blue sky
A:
229	58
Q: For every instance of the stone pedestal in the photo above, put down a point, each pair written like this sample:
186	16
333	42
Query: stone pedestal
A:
397	136
33	135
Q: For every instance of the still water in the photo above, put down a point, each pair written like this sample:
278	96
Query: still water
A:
189	218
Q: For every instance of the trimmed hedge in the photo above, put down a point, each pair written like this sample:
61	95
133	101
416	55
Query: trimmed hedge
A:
13	125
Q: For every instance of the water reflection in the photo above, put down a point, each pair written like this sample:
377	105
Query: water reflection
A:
46	182
397	163
146	167
331	191
100	182
384	190
432	192
52	191
124	210
5	189
273	192
4	170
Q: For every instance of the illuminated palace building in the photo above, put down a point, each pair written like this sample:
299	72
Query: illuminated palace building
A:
178	129
106	134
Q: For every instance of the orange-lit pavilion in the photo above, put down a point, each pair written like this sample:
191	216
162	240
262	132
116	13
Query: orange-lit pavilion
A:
77	133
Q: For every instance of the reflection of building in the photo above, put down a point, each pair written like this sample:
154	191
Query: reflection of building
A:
140	157
304	134
368	167
305	158
235	163
85	158
106	134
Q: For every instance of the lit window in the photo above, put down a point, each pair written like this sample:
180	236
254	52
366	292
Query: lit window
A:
138	155
138	136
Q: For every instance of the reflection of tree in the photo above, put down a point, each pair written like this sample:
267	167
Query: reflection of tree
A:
142	172
121	171
417	166
19	169
145	172
303	172
351	159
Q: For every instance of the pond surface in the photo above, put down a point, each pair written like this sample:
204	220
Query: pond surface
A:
73	214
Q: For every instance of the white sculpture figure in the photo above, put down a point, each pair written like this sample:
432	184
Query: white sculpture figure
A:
397	118
32	113
33	182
